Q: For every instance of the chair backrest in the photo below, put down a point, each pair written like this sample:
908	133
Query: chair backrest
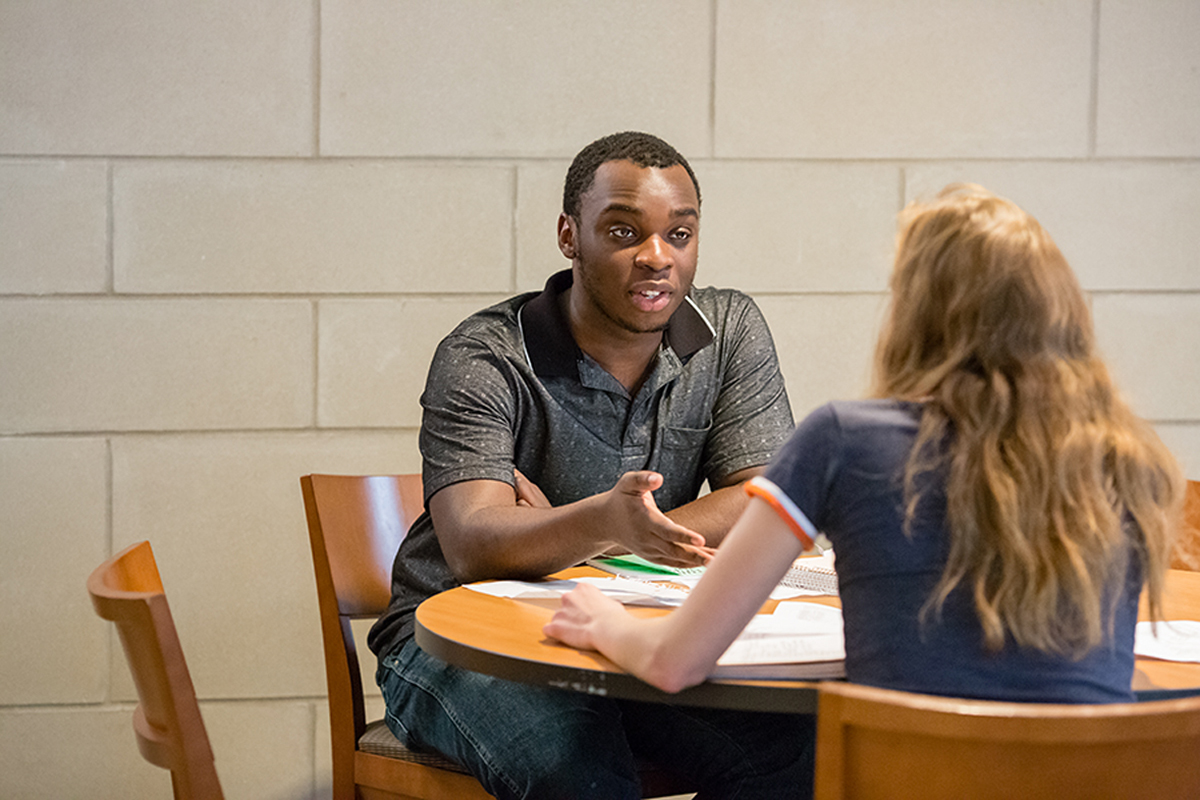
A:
877	743
1187	548
355	526
127	590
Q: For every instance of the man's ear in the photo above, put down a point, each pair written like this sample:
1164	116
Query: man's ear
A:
567	235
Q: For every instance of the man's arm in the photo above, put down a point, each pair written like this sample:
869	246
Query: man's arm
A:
711	515
714	514
486	532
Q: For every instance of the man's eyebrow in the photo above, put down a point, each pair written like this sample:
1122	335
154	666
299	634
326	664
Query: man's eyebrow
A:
621	207
686	211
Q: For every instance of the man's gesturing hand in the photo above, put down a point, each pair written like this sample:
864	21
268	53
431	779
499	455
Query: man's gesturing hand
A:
637	524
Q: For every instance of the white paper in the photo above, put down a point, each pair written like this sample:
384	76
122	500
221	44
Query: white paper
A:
1173	640
628	592
795	632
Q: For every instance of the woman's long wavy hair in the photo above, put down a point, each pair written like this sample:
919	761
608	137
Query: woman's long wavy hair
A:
1046	464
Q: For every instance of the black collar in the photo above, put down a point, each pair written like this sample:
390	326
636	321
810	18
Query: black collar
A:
552	351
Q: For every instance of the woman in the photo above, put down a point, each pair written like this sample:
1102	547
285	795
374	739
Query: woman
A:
995	511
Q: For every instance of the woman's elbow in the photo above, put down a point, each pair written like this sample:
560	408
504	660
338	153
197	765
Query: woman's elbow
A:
671	675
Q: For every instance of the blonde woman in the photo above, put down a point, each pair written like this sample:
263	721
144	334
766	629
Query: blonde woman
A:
995	511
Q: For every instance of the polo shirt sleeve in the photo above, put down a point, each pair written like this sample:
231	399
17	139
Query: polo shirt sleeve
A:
469	415
752	417
798	481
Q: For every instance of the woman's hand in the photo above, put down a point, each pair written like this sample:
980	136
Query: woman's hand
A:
574	624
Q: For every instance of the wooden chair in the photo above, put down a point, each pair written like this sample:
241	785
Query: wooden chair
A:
1187	548
877	743
126	589
355	525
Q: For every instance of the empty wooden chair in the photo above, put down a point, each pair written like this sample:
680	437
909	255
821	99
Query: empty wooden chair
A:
126	589
874	744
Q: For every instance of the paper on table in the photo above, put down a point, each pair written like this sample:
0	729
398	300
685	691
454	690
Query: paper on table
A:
638	569
629	592
796	632
1173	640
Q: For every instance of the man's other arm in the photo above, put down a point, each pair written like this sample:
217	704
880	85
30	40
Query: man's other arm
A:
712	515
751	411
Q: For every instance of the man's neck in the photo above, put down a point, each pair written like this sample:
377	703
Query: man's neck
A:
627	356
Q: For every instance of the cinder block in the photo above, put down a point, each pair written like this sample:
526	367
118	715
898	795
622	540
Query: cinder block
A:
1149	343
825	344
1184	440
1148	99
1121	225
538	78
53	512
375	354
53	226
539	203
97	365
312	227
76	752
173	78
787	227
926	79
226	518
263	749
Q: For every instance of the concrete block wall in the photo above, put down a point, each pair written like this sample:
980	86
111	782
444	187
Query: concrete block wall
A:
231	234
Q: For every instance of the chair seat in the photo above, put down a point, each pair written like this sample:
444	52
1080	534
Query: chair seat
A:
379	740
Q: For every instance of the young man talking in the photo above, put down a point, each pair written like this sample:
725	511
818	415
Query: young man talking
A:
579	420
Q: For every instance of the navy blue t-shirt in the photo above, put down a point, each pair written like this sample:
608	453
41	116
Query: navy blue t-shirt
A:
842	474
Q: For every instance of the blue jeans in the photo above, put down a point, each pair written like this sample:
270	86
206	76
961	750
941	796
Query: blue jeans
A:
531	742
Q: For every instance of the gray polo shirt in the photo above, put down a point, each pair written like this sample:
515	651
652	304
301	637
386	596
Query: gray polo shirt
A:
510	388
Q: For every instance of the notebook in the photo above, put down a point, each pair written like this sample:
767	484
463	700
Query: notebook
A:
638	568
813	573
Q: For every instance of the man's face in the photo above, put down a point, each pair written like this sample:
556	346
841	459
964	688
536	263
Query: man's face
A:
633	248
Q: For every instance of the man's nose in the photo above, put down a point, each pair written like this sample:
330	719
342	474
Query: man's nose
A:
654	254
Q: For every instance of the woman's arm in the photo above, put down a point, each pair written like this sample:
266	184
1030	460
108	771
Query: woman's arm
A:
681	649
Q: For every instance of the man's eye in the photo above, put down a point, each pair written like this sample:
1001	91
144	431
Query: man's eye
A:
681	235
622	232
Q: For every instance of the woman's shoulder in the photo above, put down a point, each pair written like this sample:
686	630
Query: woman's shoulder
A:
871	415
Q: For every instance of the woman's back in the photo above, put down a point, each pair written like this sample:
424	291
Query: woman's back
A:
844	468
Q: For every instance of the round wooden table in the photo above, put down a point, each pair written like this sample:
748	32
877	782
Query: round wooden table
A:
503	637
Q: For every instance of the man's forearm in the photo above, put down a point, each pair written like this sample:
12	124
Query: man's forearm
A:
490	539
713	514
484	533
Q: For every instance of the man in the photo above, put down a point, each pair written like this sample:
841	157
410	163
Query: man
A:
561	425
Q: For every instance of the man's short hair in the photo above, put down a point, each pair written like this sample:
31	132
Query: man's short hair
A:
642	149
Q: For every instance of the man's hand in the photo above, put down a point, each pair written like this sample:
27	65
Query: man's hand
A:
635	522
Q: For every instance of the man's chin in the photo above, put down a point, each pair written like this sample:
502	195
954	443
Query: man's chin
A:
645	326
